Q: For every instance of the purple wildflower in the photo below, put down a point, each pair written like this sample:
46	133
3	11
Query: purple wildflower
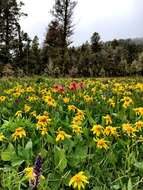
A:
37	172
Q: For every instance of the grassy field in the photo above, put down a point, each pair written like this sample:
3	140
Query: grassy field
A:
64	134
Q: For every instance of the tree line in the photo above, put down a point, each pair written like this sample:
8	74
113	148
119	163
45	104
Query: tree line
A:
20	55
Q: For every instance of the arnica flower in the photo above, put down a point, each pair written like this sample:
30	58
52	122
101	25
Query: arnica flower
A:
2	98
2	137
139	86
32	98
50	101
61	135
29	89
80	113
108	119
34	114
111	102
66	100
18	114
72	108
93	90
127	128
88	99
44	131
139	111
127	101
43	120
76	129
29	173
97	130
27	108
79	181
110	131
139	125
19	133
101	143
77	120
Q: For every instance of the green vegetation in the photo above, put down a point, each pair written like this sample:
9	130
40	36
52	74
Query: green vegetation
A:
20	55
65	134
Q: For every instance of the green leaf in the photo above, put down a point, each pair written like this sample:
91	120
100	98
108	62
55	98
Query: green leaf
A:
54	181
139	165
79	155
50	139
17	163
60	158
116	187
7	155
130	187
28	145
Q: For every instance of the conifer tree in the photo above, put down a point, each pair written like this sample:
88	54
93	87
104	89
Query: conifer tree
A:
10	13
63	14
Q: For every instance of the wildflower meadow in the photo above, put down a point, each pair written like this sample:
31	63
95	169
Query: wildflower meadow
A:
71	134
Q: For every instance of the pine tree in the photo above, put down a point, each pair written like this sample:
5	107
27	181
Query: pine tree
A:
51	52
63	12
35	56
10	13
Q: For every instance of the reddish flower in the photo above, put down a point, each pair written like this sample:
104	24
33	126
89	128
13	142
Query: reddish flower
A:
58	88
81	84
74	86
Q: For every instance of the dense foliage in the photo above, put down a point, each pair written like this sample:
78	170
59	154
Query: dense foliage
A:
64	134
20	55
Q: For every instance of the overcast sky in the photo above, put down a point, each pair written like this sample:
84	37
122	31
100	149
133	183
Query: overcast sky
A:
110	18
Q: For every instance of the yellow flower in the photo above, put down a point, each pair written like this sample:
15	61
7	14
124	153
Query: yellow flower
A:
76	120
139	125
127	101
66	100
46	113
79	181
128	128
2	137
102	143
18	114
97	130
139	111
2	98
139	86
76	129
29	173
29	89
93	90
19	133
61	135
108	119
109	130
43	130
50	101
72	107
33	113
80	113
111	102
32	98
88	99
27	108
43	121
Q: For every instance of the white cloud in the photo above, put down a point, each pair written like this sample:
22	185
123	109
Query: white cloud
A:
111	18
